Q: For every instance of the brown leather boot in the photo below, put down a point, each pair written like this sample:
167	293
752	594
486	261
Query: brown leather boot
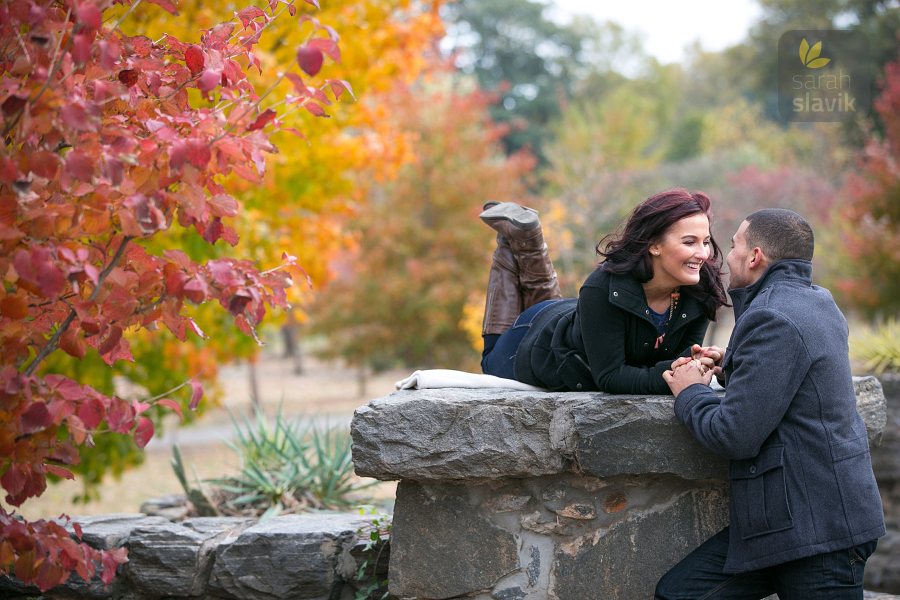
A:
522	229
503	304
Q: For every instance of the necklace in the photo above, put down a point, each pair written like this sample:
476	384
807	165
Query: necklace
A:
673	302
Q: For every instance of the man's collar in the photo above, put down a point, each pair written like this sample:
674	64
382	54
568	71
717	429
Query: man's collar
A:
793	268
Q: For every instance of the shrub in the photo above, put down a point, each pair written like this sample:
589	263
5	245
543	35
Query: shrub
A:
878	348
285	466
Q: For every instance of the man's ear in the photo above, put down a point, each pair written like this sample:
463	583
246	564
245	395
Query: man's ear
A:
758	259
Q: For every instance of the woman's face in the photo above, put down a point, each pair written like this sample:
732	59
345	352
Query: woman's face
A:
679	254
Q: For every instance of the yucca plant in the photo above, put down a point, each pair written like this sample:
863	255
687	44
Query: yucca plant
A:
329	465
878	348
197	496
286	467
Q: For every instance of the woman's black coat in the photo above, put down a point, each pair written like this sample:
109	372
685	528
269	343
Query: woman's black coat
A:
604	340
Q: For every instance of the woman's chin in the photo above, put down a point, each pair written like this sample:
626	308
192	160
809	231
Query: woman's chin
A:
690	279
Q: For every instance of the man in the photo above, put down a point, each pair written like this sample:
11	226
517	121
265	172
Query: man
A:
805	509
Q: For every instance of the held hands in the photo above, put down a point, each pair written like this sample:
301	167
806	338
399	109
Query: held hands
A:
711	356
700	368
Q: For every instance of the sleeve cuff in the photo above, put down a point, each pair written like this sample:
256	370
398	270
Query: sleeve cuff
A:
688	397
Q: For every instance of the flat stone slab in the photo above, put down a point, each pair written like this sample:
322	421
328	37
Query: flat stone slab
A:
457	434
293	556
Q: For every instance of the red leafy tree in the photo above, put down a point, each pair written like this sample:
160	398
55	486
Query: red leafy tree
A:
869	241
109	140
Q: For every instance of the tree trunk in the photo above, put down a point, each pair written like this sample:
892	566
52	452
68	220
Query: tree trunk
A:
361	380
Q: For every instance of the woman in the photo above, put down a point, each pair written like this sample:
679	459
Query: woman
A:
647	303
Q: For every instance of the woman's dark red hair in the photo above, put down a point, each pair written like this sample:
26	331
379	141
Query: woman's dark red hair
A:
628	252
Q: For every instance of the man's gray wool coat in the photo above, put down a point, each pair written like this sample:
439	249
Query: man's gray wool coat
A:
800	470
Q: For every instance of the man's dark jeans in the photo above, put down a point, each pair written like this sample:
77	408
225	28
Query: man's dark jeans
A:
834	575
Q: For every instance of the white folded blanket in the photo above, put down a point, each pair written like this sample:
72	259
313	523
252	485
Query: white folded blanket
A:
447	378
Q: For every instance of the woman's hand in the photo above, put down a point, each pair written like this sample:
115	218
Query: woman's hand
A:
709	356
704	363
686	372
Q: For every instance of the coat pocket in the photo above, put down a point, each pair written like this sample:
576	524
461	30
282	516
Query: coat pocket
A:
574	372
759	493
859	492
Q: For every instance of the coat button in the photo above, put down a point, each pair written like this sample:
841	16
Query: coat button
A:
578	386
615	293
753	469
646	344
684	315
647	312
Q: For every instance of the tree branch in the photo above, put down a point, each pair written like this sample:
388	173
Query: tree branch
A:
53	343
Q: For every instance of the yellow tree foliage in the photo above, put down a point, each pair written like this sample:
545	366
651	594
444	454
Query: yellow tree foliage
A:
299	207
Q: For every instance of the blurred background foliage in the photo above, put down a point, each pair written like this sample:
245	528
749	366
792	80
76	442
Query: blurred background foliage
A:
461	102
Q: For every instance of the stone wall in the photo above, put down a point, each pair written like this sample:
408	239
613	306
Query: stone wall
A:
534	496
883	569
313	556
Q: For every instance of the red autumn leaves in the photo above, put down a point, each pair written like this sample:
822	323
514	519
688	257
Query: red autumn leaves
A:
109	146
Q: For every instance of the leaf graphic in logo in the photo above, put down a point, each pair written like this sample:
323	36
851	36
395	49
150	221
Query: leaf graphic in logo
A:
809	56
804	50
814	52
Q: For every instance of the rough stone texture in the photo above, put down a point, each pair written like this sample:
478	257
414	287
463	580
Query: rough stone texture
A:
882	570
311	555
872	407
563	536
111	531
627	558
294	556
105	532
469	435
456	434
444	547
176	559
218	525
629	434
883	567
886	457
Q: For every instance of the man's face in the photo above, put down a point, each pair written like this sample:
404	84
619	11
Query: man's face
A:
738	259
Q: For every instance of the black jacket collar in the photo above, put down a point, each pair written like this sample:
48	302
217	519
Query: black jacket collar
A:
627	293
783	270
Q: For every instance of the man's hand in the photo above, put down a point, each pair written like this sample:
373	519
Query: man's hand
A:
710	356
686	372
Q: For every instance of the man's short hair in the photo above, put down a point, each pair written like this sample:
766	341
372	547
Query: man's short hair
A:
780	233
